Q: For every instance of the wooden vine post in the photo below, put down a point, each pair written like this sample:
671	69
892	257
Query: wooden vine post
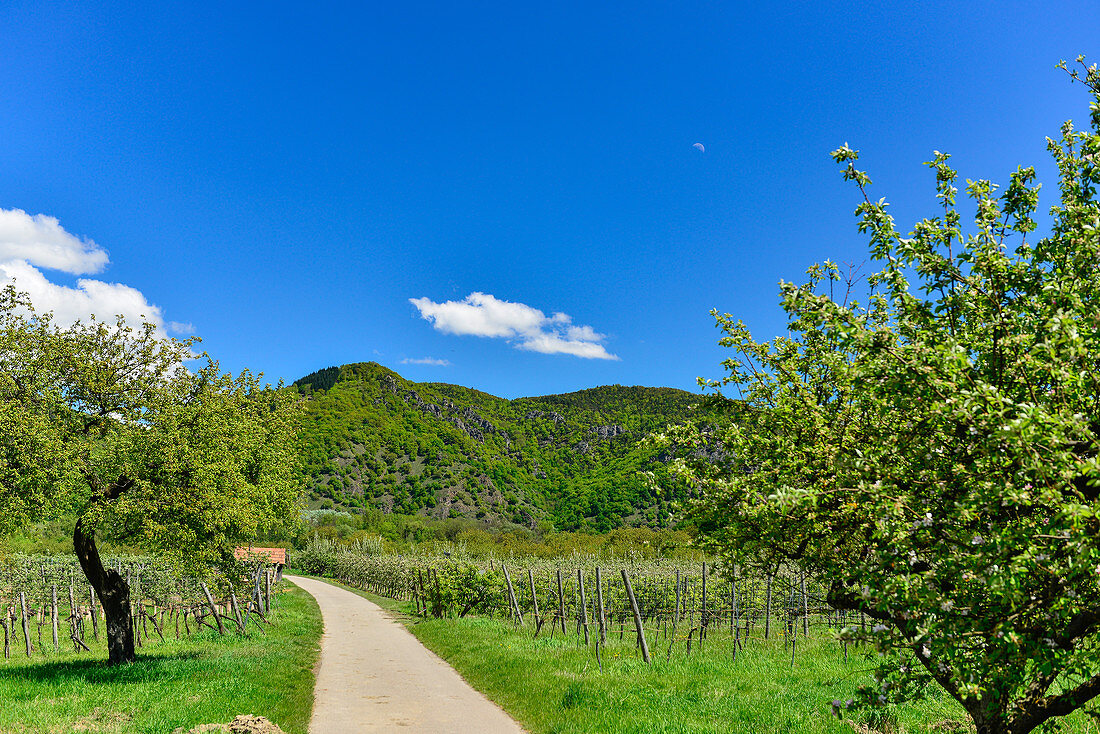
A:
95	617
703	610
73	619
213	609
599	606
257	596
561	603
53	616
236	609
135	593
438	611
675	618
512	595
26	624
768	610
733	607
582	615
637	616
267	591
805	609
534	597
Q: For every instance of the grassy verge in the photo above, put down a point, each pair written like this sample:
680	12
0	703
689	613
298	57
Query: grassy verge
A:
555	685
177	683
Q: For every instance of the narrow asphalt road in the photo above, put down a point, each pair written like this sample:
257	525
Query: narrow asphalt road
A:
376	677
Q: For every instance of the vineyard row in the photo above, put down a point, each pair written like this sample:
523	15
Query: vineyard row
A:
652	602
45	602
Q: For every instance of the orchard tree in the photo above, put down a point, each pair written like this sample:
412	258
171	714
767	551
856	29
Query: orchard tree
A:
32	466
932	450
105	421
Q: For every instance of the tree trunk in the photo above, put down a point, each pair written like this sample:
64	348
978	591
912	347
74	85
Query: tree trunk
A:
988	718
114	596
990	726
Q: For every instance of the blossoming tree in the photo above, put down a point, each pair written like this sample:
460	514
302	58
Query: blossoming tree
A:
932	448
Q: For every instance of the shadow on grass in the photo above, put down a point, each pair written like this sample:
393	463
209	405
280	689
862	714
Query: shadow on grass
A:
145	669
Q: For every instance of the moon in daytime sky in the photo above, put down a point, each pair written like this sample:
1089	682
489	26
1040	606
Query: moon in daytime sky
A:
699	147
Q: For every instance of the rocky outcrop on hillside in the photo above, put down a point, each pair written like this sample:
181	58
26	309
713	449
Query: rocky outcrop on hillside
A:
466	420
549	415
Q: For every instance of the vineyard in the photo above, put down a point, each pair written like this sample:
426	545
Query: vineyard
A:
661	607
46	603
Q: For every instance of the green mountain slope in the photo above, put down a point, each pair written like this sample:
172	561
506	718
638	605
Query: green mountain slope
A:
373	438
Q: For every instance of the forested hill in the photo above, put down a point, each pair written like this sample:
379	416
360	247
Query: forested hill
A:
373	438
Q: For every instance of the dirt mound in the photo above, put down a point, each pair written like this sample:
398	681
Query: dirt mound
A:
243	724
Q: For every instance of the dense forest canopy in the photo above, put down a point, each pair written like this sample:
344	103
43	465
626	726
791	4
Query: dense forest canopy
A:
573	461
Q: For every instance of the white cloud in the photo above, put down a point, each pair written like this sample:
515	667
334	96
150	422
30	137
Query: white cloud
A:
182	329
30	243
583	334
482	314
427	360
554	344
41	241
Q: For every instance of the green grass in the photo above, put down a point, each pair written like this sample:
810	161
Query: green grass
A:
555	686
203	679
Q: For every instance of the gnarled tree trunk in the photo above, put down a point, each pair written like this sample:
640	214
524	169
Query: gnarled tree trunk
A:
113	593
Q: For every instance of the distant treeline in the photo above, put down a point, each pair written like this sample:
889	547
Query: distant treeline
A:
318	381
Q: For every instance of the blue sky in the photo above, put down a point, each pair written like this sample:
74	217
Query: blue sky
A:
500	195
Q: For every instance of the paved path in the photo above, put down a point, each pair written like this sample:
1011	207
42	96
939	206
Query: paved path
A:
376	677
